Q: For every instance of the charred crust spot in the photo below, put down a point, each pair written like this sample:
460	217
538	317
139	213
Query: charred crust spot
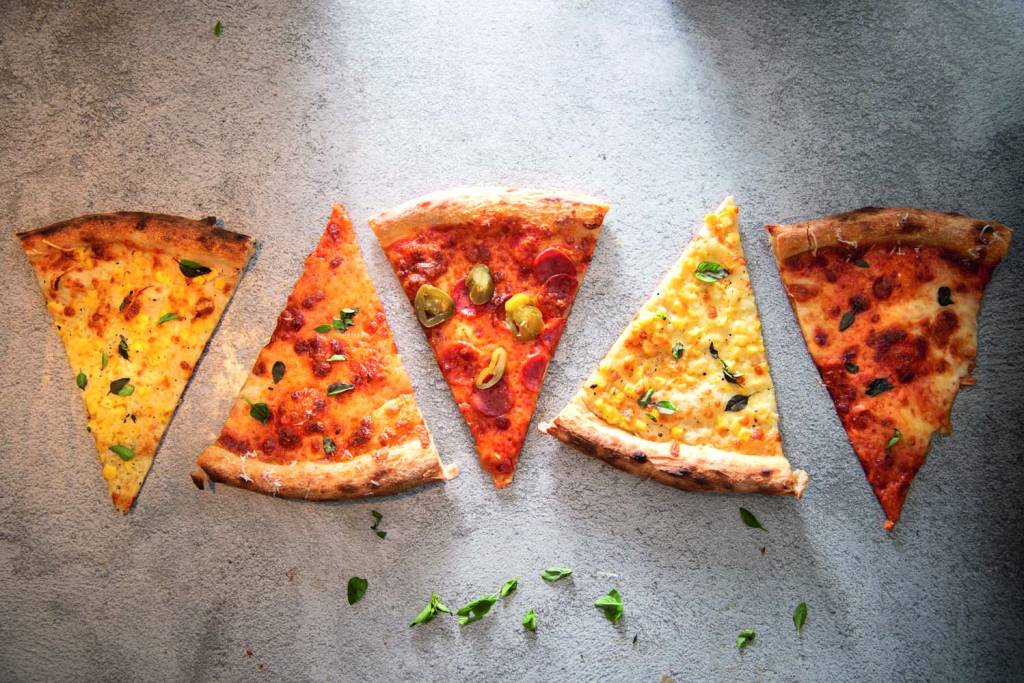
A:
259	369
882	287
185	366
943	327
204	307
908	224
682	472
639	457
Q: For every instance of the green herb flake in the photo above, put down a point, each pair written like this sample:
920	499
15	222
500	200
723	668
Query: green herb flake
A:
508	588
339	388
861	263
345	319
122	347
878	386
329	445
337	357
218	29
746	637
709	271
475	610
736	403
323	329
356	589
945	296
800	616
661	316
896	437
191	269
712	350
665	407
167	317
376	522
645	400
555	573
430	611
730	376
847	319
258	411
611	605
121	387
104	359
277	371
750	520
653	417
530	621
123	452
81	380
677	350
851	368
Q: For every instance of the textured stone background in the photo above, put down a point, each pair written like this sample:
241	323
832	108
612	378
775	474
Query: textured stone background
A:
662	109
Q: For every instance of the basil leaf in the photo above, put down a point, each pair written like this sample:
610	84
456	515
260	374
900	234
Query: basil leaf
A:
122	347
125	300
847	319
736	403
381	534
709	271
611	605
750	520
121	387
945	296
730	376
665	407
323	329
277	371
81	380
104	359
555	573
356	589
339	388
258	411
475	610
712	350
329	445
653	416
167	317
218	29
337	357
508	588
345	319
896	437
861	263
376	521
191	269
746	637
852	368
123	452
430	611
677	350
530	621
645	400
878	386
800	616
661	316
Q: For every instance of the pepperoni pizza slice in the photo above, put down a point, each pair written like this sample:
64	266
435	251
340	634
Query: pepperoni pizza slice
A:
327	411
492	273
888	300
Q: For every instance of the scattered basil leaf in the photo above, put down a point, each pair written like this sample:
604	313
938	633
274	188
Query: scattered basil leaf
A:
345	319
730	376
800	616
750	520
530	621
339	388
430	611
323	329
277	371
665	407
712	350
736	403
746	637
258	411
851	368
356	589
329	445
611	605
645	400
861	263
508	588
847	319
945	296
709	271
121	387
555	573
653	416
104	359
218	29
191	269
125	300
381	534
661	316
475	610
878	386
123	452
896	437
122	347
167	317
376	521
81	380
677	350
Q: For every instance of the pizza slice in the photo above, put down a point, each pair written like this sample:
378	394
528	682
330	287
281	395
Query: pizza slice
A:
135	298
492	274
684	395
327	411
887	300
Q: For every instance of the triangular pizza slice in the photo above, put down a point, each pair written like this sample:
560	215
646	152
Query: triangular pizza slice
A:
492	274
887	300
684	396
135	298
327	411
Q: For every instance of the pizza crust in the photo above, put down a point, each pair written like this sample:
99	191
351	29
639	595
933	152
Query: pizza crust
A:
473	204
384	472
694	468
984	242
200	240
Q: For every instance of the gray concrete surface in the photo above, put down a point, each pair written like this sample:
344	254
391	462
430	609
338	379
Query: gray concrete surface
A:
662	108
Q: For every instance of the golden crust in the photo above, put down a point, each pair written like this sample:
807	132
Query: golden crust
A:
984	242
387	471
694	468
184	237
473	204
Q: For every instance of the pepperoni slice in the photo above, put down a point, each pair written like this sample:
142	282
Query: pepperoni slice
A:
552	261
557	293
533	371
461	362
463	304
491	402
552	333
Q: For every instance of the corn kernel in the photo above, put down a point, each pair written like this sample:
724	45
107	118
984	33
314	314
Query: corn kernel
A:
109	471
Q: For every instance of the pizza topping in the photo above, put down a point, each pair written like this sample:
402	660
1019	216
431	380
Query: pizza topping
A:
493	373
122	452
121	387
861	263
122	347
480	284
258	411
277	371
167	317
847	320
557	294
433	306
191	269
81	380
463	304
851	368
532	372
345	320
524	319
878	386
459	362
339	388
677	350
329	445
736	403
945	296
709	271
104	359
896	437
493	402
645	398
550	262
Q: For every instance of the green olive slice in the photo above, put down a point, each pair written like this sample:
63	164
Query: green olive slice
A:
493	373
433	305
526	322
480	284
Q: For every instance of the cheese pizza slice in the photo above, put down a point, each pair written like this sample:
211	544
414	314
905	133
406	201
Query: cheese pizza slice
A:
327	411
684	396
888	300
492	273
135	298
